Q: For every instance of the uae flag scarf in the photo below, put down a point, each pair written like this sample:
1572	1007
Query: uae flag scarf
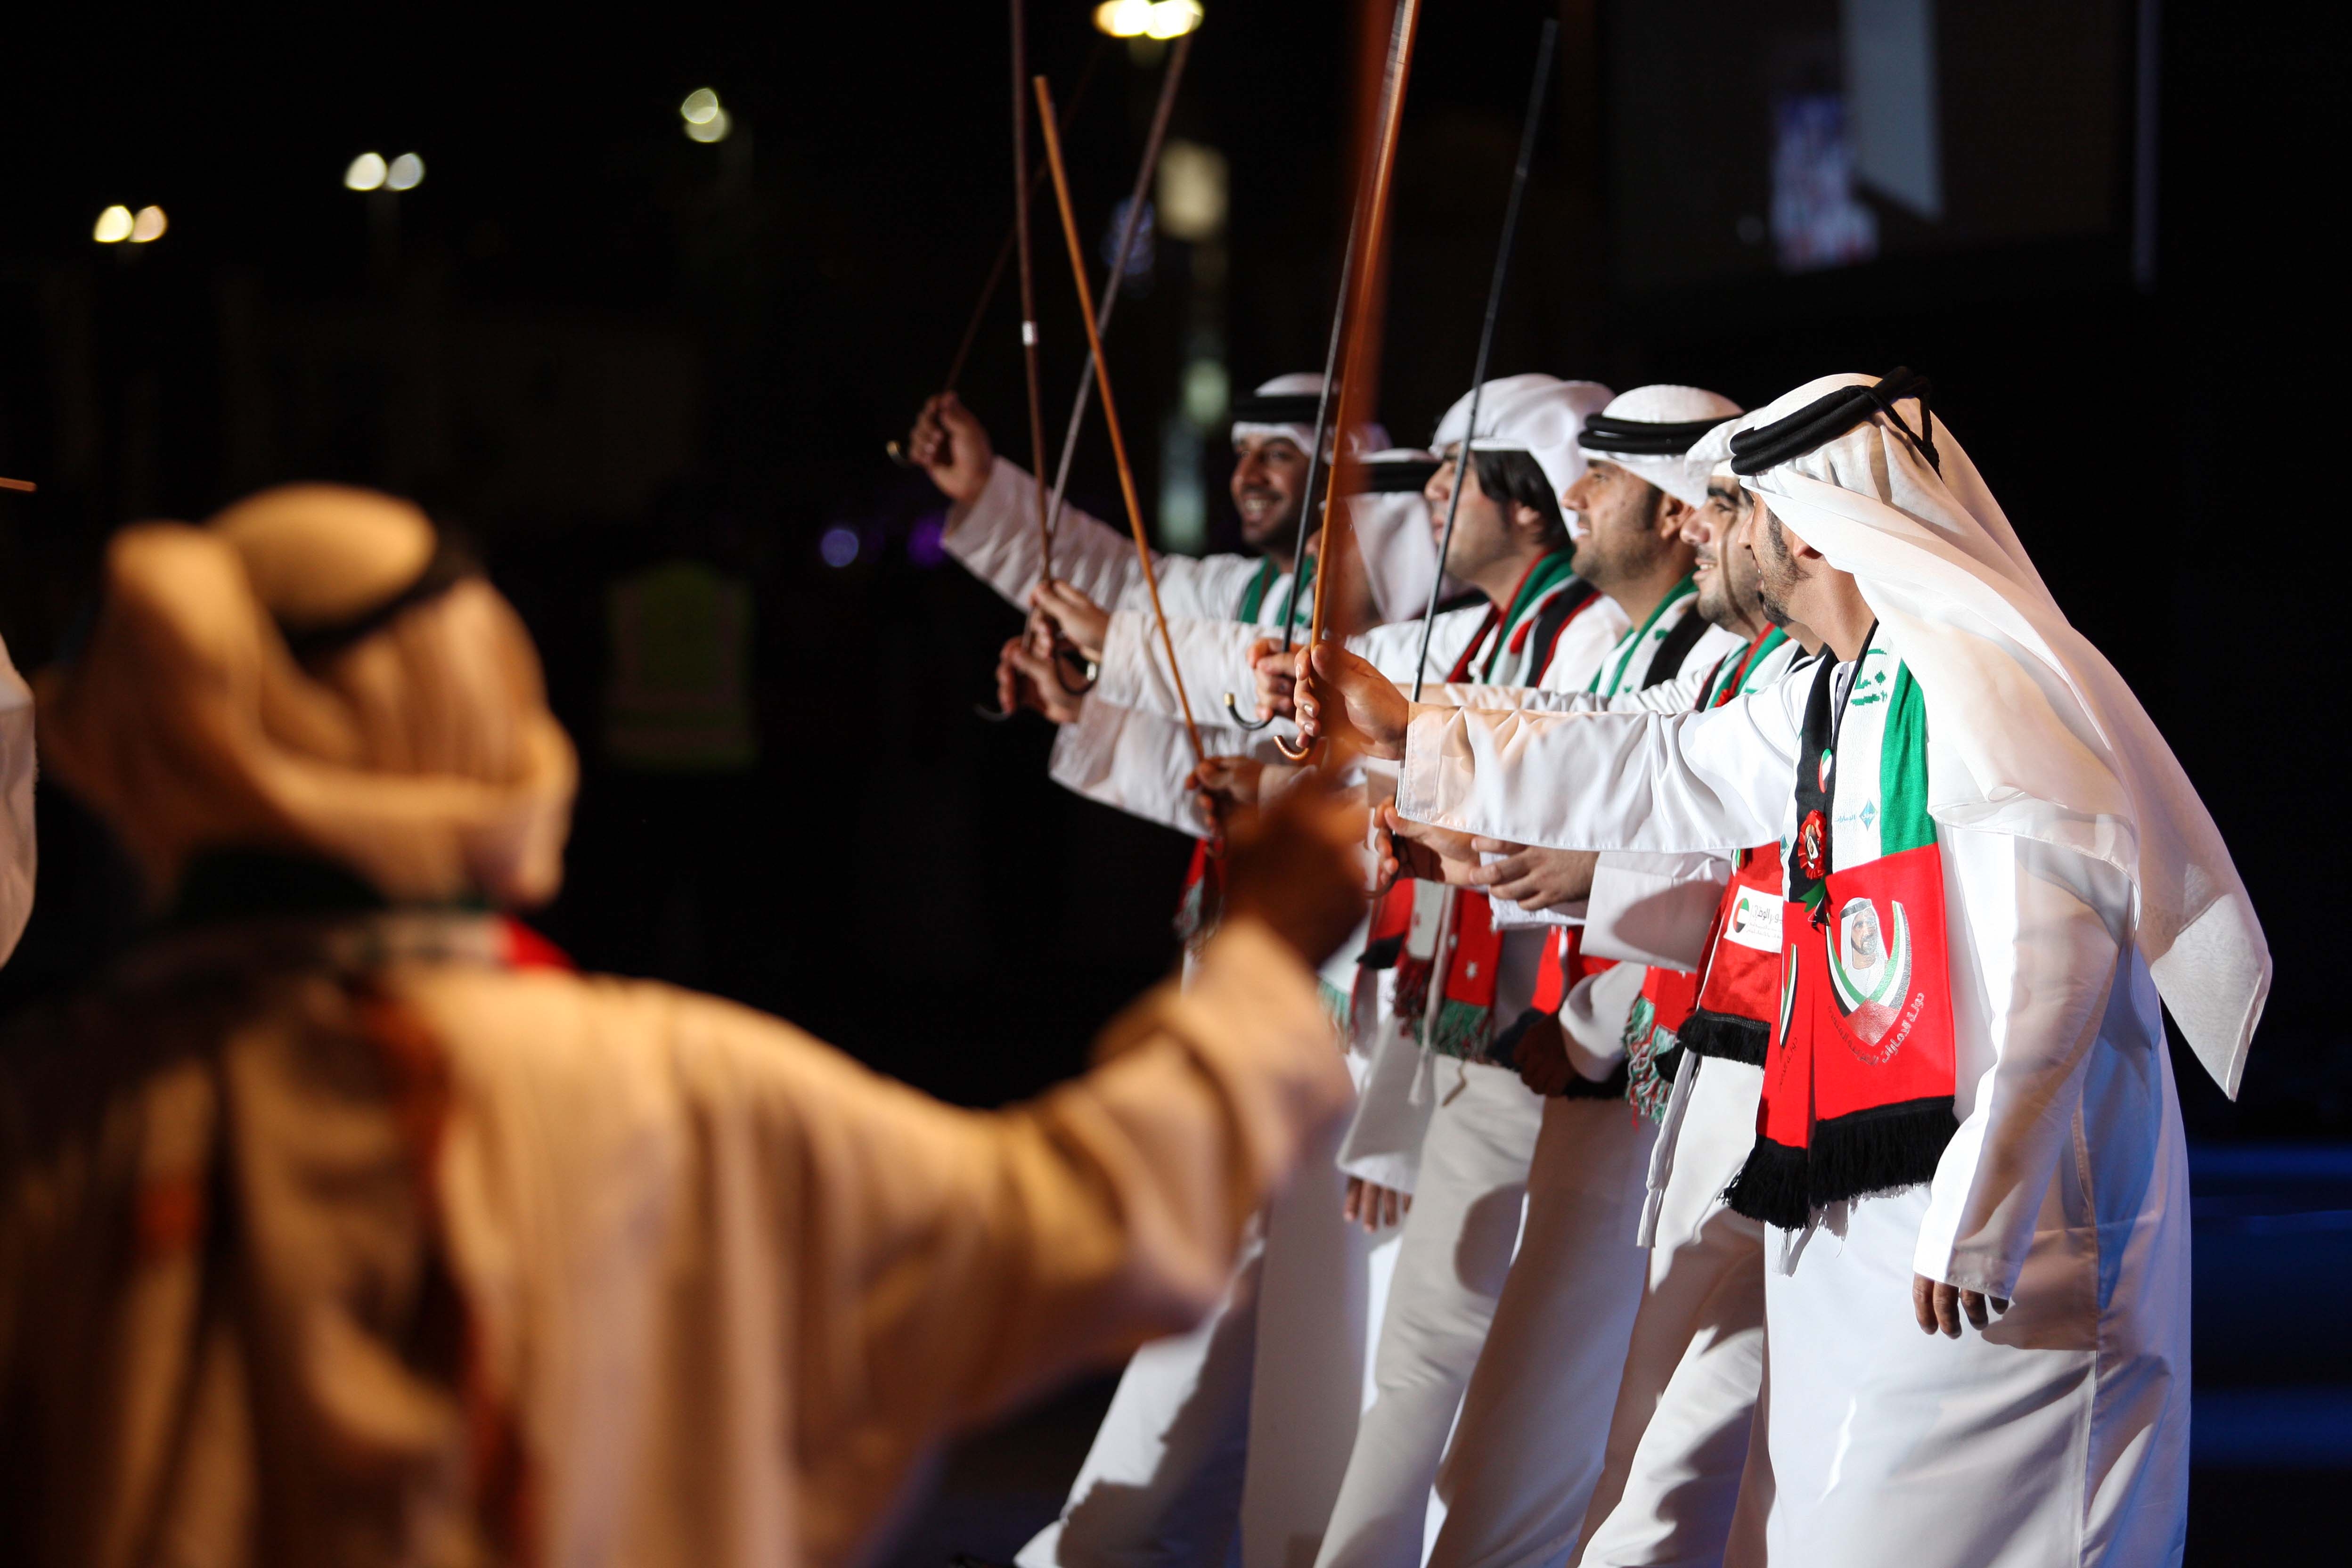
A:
1672	1010
1858	1074
1429	926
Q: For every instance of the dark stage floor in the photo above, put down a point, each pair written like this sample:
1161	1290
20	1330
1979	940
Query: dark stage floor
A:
2273	1364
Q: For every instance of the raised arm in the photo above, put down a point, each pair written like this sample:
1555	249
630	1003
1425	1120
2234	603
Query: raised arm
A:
945	1263
1717	780
994	535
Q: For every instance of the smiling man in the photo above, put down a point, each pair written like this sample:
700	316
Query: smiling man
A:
993	522
1985	1358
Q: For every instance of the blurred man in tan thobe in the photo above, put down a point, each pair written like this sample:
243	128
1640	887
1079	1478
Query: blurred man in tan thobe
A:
344	1224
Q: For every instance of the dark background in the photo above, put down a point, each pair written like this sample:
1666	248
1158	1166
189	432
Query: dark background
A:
593	344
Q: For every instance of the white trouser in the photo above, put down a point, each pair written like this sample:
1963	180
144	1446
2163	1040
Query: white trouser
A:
1670	1492
1162	1486
1451	1263
1522	1465
1319	1299
1248	1418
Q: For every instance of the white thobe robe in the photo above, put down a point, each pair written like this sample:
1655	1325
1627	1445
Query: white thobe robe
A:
1244	1423
2059	1436
1670	1488
1529	1450
1468	1139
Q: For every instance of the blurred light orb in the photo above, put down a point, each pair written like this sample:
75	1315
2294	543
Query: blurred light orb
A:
148	225
925	541
406	172
366	174
1148	19
714	128
1191	191
701	108
1208	393
838	545
113	225
1173	18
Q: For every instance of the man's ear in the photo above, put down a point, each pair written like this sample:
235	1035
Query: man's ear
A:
1673	514
1525	519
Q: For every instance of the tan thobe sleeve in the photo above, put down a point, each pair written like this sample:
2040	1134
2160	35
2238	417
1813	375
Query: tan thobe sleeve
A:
710	1254
975	1258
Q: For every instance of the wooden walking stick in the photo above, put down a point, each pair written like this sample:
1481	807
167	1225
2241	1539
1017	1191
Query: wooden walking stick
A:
1064	654
1111	408
1366	270
1028	284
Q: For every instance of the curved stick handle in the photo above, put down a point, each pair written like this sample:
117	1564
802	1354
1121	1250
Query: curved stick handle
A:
1234	708
1067	656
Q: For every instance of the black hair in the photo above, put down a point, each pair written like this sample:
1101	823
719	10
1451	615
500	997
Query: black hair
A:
1510	477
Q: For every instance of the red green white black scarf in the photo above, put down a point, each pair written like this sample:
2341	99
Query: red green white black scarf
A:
1611	676
1859	1073
1512	647
1670	997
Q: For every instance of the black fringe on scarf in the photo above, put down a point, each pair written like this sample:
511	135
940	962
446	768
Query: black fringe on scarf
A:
1726	1035
1867	1153
1882	1150
1770	1186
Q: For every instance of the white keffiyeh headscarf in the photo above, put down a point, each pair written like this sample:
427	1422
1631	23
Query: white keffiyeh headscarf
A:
1390	527
1301	389
2055	746
1540	414
1662	408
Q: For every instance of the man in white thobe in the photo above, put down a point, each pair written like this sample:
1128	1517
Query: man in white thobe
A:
1241	1424
1986	1364
1528	1456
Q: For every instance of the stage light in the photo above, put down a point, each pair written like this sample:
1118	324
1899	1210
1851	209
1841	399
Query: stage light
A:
838	545
1148	19
113	225
1123	19
714	128
148	226
701	108
1173	18
406	172
366	174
